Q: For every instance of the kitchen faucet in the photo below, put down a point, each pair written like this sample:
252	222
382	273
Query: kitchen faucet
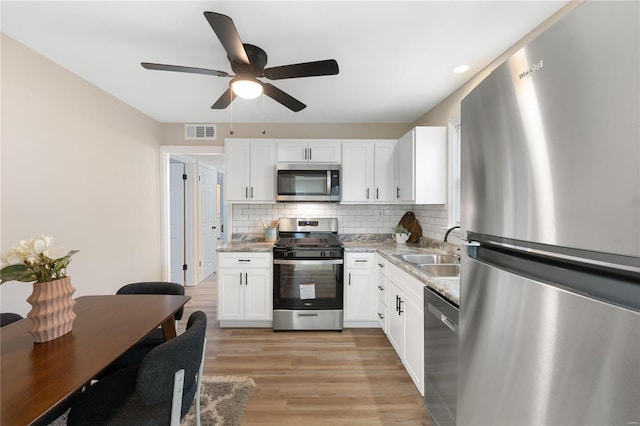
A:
446	235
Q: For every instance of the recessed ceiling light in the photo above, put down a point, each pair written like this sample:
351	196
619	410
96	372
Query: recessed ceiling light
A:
461	68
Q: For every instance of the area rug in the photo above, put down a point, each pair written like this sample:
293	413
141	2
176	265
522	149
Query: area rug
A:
222	402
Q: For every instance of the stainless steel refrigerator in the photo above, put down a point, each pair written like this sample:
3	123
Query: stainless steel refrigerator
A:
550	277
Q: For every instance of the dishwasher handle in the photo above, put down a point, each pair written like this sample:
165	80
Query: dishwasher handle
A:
442	317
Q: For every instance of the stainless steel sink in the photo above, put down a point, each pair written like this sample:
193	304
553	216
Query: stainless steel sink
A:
428	258
440	270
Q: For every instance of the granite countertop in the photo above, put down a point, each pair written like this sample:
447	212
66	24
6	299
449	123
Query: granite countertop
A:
449	288
246	246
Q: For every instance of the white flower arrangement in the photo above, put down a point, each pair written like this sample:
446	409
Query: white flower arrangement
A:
35	260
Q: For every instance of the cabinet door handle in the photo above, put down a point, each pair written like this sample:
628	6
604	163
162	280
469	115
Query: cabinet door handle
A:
381	265
367	193
381	288
246	278
252	192
400	311
380	315
349	278
246	192
305	154
240	278
377	193
397	303
397	192
310	156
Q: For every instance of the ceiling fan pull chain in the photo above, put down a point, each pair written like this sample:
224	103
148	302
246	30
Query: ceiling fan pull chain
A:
264	132
231	110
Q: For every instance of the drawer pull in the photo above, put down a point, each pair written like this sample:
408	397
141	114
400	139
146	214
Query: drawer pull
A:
244	260
361	260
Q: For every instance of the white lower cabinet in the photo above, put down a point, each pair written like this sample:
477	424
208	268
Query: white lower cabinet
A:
405	321
360	307
381	265
245	290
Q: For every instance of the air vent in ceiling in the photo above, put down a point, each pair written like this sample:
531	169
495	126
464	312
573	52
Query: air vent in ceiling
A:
200	131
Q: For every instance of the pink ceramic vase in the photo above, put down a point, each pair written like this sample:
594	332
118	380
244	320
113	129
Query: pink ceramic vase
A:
51	312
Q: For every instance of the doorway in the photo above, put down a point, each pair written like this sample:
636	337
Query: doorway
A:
193	211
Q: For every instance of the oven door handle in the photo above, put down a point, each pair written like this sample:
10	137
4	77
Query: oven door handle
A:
309	262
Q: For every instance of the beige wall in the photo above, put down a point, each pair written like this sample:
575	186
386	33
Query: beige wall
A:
173	134
449	109
82	166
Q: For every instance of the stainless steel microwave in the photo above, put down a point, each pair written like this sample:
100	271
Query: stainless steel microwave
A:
308	182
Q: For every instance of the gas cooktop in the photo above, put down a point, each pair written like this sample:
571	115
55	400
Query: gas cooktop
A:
310	241
308	233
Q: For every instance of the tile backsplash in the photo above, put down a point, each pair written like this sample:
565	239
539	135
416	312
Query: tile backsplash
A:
352	219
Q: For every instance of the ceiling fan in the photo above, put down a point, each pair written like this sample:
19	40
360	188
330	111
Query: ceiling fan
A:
248	62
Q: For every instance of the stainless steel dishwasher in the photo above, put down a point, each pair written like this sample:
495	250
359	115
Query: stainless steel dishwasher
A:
440	358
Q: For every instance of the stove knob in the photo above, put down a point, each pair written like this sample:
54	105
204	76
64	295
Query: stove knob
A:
322	254
332	254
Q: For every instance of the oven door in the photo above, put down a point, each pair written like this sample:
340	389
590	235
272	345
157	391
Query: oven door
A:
308	284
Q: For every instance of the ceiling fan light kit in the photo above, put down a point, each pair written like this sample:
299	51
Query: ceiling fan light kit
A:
248	62
246	87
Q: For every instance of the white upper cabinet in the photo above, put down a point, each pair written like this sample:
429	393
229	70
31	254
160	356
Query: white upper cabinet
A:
422	166
250	170
385	172
309	151
357	171
368	171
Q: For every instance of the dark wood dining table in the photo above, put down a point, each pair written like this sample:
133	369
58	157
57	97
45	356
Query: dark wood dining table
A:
35	378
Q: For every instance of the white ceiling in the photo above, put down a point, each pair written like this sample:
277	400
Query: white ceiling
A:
395	58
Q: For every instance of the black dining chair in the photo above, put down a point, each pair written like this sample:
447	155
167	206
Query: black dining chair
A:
7	318
159	391
136	354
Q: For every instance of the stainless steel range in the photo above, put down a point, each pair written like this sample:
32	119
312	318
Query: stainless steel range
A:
308	266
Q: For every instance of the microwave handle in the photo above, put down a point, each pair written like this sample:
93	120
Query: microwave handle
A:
328	182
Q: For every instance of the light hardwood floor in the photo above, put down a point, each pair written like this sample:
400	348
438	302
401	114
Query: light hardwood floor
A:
307	377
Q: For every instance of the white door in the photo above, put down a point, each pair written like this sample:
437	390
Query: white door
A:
231	294
207	219
357	171
176	222
263	164
324	152
385	171
237	170
258	295
405	171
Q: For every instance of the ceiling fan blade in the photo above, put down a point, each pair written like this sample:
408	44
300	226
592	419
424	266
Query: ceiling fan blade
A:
179	68
285	99
226	31
225	100
307	69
